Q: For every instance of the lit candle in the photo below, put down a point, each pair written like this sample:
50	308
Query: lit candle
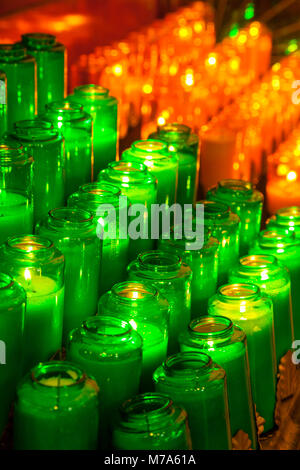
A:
287	218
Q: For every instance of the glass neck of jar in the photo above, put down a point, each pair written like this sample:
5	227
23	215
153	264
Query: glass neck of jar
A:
31	249
70	219
133	293
34	130
150	149
91	92
159	262
106	329
12	52
238	292
289	216
39	41
215	210
188	365
12	155
235	189
128	172
58	378
276	238
177	134
258	265
64	110
213	329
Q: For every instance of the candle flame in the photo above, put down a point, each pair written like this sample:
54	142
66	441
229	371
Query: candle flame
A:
291	176
27	275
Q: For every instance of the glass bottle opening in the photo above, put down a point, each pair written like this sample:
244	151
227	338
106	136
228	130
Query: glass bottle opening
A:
29	244
174	132
187	364
57	375
38	40
276	237
65	110
159	261
211	327
215	210
258	261
92	91
150	146
239	291
133	291
238	188
105	325
13	154
67	216
6	282
12	52
34	129
290	213
148	406
100	189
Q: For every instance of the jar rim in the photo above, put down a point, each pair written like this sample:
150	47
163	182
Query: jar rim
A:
100	189
13	153
91	90
276	236
211	327
39	40
40	373
159	261
70	216
291	213
173	132
239	291
187	364
151	146
107	326
136	408
29	244
34	129
215	209
143	291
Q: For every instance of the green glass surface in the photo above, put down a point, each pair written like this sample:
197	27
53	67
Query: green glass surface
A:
226	344
51	65
246	202
34	263
287	218
103	108
273	279
252	311
95	196
172	277
16	201
224	226
194	382
20	71
140	186
147	311
286	247
76	127
111	351
12	313
3	103
185	145
47	148
162	163
73	232
151	422
56	409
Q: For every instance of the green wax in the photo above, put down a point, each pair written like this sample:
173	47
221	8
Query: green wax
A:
3	103
187	172
16	214
287	218
155	345
114	261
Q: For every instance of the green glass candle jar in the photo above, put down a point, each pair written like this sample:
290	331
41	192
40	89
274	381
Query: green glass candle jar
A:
76	127
47	148
12	313
16	199
224	225
193	381
246	202
204	265
151	422
273	278
3	103
160	162
51	64
56	409
39	267
173	278
287	218
185	145
95	197
110	350
140	186
20	71
147	311
252	311
284	246
73	232
103	108
226	344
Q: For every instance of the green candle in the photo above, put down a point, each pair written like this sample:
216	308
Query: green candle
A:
252	311
47	148
226	344
94	197
111	351
140	186
151	422
103	108
172	277
160	162
56	409
273	278
3	103
73	232
147	311
246	202
185	145
193	381
76	127
12	312
51	64
38	267
287	218
284	246
20	70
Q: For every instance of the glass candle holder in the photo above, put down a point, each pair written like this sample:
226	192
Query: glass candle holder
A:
252	311
224	225
287	218
193	381
163	164
94	197
51	64
103	108
140	186
284	246
246	202
204	265
73	232
76	127
38	266
147	311
273	278
226	344
47	148
110	350
16	201
185	145
3	103
12	313
20	71
56	409
172	277
151	422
